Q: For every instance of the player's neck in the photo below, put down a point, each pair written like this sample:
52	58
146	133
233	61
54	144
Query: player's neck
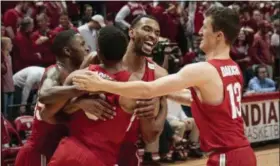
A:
132	60
220	52
67	65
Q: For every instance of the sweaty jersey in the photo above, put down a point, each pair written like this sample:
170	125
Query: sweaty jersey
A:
221	126
103	138
45	137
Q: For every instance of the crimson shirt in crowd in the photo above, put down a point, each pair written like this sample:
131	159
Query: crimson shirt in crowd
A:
48	58
53	11
261	50
24	52
12	18
60	29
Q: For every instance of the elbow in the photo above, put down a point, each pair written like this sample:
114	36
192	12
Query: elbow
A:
118	19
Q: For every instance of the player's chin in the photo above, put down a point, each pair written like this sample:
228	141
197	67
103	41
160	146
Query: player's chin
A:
148	53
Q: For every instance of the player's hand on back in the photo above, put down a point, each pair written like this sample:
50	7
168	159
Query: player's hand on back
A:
145	108
89	81
97	107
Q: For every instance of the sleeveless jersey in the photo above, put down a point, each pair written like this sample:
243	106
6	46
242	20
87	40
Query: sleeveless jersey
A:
45	137
103	138
149	75
221	126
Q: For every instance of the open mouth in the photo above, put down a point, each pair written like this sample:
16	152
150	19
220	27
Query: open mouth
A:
149	45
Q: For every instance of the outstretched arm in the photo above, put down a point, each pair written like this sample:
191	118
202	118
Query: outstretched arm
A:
188	76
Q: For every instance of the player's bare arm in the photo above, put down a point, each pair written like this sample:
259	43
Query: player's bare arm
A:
52	91
188	76
182	97
151	127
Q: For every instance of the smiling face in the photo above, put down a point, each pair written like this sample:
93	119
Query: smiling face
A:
145	35
209	37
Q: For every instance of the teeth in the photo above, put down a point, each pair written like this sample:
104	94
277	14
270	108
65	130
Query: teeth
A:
149	42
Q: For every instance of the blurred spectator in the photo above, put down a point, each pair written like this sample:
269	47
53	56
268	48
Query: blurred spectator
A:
275	46
41	39
261	48
240	52
54	10
64	24
261	82
127	13
168	138
7	75
256	20
12	18
181	123
73	11
90	29
24	53
3	30
88	12
25	80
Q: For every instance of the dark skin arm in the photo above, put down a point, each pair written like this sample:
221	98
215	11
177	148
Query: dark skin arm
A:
51	91
151	127
46	95
51	109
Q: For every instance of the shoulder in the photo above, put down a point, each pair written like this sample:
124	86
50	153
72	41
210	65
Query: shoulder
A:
160	71
253	80
269	80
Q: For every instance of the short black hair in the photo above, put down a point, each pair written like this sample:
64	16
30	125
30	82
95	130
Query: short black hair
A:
112	43
61	40
226	20
87	6
258	68
138	18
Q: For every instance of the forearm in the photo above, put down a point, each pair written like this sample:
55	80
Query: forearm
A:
183	97
10	32
25	94
144	90
272	89
150	128
48	114
50	96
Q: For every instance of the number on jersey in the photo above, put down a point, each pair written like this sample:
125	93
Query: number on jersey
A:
234	91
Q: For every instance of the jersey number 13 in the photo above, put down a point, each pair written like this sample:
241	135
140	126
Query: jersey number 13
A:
234	91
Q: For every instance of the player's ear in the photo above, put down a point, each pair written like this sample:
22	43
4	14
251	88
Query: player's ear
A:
66	51
131	33
220	35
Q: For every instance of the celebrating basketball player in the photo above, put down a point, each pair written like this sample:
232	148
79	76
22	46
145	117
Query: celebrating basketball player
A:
216	87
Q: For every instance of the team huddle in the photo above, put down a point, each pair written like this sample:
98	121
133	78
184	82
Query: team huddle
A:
92	108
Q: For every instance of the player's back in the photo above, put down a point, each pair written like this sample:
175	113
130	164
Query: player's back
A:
221	126
103	138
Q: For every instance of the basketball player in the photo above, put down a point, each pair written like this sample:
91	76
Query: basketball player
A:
216	87
96	140
144	31
70	50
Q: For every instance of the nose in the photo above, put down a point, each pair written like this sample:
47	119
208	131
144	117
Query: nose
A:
200	32
87	49
153	36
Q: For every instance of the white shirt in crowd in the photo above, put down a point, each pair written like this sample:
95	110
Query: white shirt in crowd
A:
90	36
175	111
275	41
27	79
